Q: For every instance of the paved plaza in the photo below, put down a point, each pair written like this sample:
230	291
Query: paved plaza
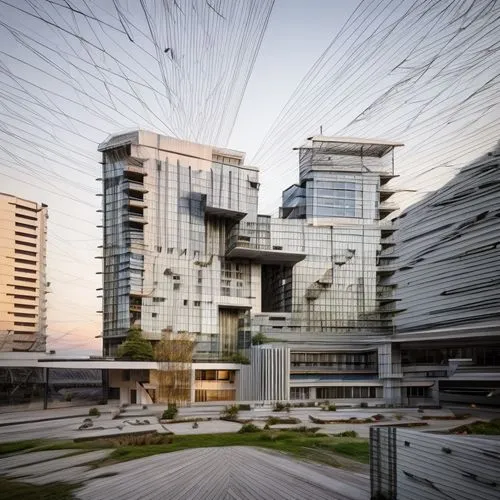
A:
204	473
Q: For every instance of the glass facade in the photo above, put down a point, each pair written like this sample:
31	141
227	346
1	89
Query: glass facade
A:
185	249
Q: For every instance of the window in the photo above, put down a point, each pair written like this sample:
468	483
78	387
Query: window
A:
26	243
27	226
337	199
158	299
26	235
185	302
197	303
25	252
154	315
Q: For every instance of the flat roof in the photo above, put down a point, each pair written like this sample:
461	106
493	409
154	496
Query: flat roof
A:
354	146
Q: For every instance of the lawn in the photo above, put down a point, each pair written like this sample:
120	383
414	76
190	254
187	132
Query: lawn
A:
491	428
299	444
307	445
318	447
17	490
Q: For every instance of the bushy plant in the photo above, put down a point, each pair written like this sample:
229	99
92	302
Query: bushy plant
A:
259	339
68	397
136	347
332	407
239	358
280	406
347	434
94	412
171	412
230	412
266	427
277	420
248	428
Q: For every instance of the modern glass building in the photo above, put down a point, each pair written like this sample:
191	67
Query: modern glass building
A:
186	250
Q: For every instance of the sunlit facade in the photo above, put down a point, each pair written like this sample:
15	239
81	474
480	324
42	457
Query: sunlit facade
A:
23	282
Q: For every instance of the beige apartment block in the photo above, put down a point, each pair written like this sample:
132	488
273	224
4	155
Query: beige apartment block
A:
23	309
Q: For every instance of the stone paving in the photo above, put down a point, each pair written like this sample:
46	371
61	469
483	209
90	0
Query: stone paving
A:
206	473
243	473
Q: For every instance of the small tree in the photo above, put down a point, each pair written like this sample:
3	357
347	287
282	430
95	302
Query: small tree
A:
171	412
136	347
259	339
239	358
230	412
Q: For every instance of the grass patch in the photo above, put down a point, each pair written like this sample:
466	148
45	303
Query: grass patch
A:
17	446
296	443
17	490
302	443
491	428
272	420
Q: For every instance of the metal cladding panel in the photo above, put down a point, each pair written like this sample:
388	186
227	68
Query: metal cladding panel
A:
449	254
411	465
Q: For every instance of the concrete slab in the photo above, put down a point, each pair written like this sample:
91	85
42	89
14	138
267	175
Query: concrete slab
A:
59	464
35	457
210	427
224	473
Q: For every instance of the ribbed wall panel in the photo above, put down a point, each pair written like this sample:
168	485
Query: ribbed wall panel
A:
449	252
411	465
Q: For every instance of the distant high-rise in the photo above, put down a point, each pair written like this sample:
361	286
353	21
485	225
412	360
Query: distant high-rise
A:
23	316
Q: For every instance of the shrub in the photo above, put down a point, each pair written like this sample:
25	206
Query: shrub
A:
398	416
277	420
266	427
248	428
171	412
280	406
347	434
94	412
332	407
68	396
136	347
239	358
305	429
244	407
230	412
259	339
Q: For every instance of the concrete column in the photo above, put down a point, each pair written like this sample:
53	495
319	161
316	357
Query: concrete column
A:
105	385
312	393
45	388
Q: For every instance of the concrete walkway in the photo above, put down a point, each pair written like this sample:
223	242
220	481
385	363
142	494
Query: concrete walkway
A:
242	473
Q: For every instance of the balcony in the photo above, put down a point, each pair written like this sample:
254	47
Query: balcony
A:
386	192
137	203
254	243
390	308
386	269
386	208
134	187
136	219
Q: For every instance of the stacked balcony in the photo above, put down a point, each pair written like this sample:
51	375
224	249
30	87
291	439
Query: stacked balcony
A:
253	241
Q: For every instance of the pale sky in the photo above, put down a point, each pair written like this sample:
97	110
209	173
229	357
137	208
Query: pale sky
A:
58	165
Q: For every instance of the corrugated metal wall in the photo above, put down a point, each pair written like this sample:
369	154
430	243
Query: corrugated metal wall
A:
411	465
